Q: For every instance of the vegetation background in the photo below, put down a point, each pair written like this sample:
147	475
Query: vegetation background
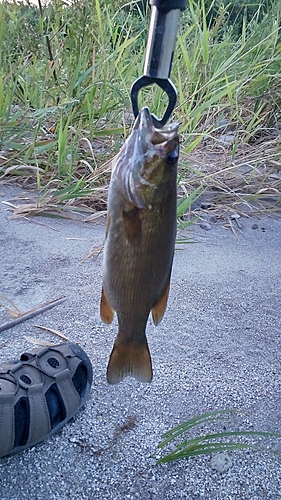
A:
65	76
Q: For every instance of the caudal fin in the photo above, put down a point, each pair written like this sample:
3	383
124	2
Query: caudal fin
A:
129	359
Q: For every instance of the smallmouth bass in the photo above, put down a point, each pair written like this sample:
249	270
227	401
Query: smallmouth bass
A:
140	241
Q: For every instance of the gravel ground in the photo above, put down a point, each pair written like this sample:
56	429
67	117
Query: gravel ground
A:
218	346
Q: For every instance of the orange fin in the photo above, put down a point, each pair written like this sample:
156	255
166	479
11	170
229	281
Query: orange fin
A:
106	311
129	359
159	309
132	225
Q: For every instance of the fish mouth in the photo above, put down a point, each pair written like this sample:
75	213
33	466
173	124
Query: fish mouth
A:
144	130
144	123
142	155
148	133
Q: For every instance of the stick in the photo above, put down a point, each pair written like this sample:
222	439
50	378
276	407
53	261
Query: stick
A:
32	313
48	45
51	330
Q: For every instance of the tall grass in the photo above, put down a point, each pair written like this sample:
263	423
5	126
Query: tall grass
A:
64	112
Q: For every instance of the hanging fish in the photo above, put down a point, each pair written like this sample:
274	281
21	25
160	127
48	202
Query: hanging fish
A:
140	241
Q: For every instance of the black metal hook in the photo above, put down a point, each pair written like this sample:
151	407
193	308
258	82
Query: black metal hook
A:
164	84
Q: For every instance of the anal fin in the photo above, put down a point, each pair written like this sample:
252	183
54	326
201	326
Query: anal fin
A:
159	309
106	311
129	359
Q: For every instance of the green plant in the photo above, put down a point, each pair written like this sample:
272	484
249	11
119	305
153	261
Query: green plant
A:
54	102
209	442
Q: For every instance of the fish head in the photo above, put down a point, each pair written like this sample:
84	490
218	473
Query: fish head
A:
147	161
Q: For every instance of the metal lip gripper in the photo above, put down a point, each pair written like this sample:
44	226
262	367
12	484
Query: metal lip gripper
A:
162	36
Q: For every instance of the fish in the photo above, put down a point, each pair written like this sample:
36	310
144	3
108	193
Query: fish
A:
139	244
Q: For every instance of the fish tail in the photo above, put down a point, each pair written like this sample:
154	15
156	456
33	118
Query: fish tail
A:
129	359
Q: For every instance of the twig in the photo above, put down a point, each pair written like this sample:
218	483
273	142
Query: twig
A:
232	228
51	330
32	313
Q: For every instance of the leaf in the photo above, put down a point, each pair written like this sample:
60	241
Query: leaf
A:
193	422
17	311
207	443
186	201
203	450
36	341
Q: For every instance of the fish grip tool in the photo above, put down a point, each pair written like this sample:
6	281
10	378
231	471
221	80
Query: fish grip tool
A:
162	35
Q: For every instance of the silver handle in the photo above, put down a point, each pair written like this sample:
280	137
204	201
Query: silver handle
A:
161	43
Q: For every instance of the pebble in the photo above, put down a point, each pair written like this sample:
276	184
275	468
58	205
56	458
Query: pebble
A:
223	123
220	462
226	139
206	226
213	219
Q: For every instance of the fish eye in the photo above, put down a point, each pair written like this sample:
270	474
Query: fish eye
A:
172	158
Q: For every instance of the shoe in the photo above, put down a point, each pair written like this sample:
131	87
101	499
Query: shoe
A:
40	393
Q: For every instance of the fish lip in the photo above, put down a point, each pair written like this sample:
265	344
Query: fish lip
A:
143	120
144	128
146	123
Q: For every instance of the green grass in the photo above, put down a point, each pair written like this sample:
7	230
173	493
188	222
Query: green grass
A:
210	442
65	108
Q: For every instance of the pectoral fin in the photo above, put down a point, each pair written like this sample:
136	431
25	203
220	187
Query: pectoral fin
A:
106	311
159	309
129	359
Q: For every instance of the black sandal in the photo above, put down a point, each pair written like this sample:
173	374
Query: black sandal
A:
40	393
